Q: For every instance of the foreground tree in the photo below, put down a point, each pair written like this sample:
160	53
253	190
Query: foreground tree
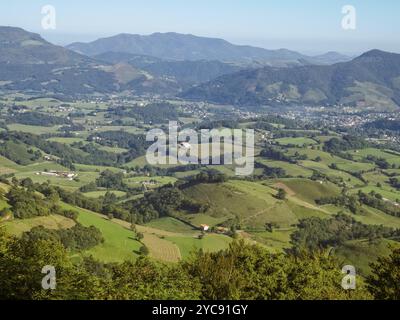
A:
384	283
240	272
251	272
281	194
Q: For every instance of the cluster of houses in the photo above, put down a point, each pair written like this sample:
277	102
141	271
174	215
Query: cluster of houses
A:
60	174
221	230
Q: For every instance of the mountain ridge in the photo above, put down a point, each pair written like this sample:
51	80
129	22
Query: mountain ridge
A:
368	81
176	46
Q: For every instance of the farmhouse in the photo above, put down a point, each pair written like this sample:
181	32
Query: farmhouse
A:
60	174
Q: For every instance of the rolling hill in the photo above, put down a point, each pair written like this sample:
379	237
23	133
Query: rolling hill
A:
369	81
184	73
175	46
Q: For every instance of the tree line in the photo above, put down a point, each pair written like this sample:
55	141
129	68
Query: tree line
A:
242	271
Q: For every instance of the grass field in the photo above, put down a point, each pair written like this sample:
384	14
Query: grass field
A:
295	141
162	249
210	243
328	159
19	226
136	181
392	158
4	162
323	168
276	241
253	204
171	224
113	149
355	166
68	141
386	191
98	194
83	178
119	244
93	168
7	166
312	154
142	161
362	253
290	169
309	190
32	129
372	216
199	219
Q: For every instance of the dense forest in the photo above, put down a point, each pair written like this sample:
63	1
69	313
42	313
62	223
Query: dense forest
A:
37	119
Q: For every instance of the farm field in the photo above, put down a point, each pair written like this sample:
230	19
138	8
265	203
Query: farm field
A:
162	249
276	241
95	168
119	244
372	216
392	158
98	194
17	227
296	141
386	191
210	243
32	129
171	224
171	246
323	168
113	149
252	204
307	190
159	181
291	169
67	141
84	178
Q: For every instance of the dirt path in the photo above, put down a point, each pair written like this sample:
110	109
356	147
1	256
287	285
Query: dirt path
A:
280	185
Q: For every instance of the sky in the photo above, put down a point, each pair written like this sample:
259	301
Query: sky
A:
308	26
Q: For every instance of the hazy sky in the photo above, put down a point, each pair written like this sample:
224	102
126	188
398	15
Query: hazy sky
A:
310	26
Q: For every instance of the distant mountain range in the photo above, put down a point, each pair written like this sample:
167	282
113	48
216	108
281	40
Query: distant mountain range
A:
175	46
196	68
28	63
369	81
